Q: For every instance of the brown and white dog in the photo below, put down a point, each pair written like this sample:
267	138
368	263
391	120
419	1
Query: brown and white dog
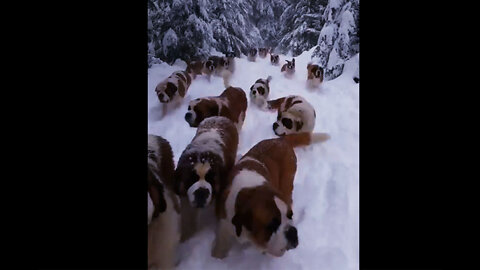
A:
232	103
294	115
203	167
173	89
314	75
256	206
262	52
163	205
252	55
230	57
218	66
274	59
259	92
194	68
289	68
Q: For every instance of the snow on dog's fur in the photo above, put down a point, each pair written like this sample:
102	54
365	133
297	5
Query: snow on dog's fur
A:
203	166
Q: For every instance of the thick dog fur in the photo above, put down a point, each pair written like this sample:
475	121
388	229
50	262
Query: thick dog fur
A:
288	69
203	167
262	52
314	75
232	104
274	59
164	206
172	90
252	55
294	115
259	92
256	205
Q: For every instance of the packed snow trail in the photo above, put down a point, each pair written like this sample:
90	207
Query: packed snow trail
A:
326	187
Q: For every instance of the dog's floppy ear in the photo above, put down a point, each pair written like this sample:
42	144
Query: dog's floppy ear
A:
236	221
178	186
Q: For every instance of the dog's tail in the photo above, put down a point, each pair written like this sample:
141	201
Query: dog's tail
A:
269	78
305	138
275	104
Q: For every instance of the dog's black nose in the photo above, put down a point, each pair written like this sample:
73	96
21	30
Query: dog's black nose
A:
188	116
160	95
201	196
275	126
254	92
292	237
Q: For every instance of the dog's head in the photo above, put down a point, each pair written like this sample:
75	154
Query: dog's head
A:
252	52
274	58
197	178
224	62
210	66
287	123
199	109
291	64
260	89
314	71
262	52
230	54
265	220
166	91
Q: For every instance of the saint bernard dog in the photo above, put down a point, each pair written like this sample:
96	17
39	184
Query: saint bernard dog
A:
173	89
203	167
294	115
230	57
195	68
288	68
252	55
314	75
163	205
218	66
274	59
259	92
256	205
232	104
262	52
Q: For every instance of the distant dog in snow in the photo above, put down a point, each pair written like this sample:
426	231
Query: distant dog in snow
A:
259	92
314	75
232	104
288	69
195	68
252	55
274	59
173	89
262	52
218	66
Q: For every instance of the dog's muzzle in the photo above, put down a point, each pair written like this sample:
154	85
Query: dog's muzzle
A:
201	196
292	237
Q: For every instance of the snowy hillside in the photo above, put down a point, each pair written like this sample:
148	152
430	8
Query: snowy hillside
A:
326	187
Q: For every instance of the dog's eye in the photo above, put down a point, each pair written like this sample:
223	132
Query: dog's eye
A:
189	108
273	225
287	123
261	90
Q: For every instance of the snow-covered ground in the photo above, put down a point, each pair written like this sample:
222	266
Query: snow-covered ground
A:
326	187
